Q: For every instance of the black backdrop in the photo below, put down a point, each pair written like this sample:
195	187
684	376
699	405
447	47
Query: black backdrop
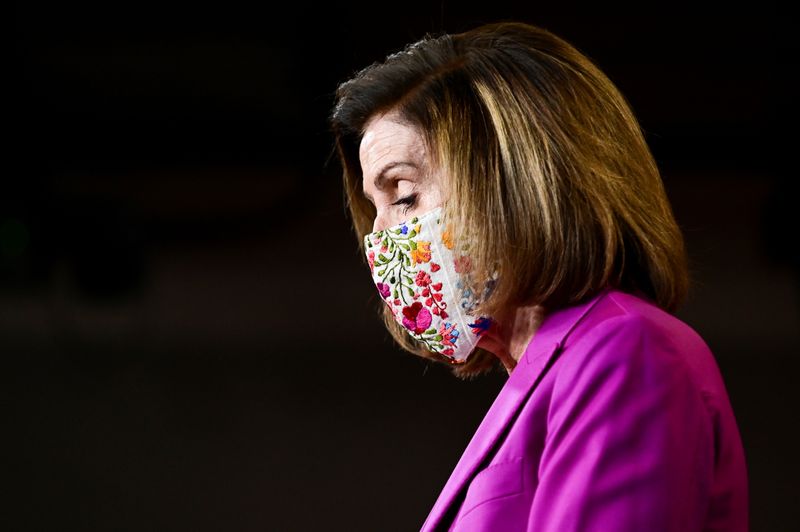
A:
191	338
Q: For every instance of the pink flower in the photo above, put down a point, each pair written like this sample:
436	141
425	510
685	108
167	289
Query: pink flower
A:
383	288
462	264
416	318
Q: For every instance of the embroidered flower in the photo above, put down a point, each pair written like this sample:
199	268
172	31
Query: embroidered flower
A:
404	229
435	267
423	279
416	318
462	264
447	238
422	253
449	333
384	289
371	259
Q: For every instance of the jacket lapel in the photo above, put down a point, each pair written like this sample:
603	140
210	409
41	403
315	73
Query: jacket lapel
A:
544	348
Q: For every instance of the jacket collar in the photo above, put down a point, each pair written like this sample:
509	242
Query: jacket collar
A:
545	346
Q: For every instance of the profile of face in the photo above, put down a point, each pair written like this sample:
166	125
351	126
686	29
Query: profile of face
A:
413	261
398	177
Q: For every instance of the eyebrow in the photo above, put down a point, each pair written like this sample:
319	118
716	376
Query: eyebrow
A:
381	179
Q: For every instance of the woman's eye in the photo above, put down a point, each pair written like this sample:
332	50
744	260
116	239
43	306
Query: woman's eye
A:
408	201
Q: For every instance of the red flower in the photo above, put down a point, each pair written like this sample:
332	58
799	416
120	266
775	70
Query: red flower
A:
435	267
437	286
423	279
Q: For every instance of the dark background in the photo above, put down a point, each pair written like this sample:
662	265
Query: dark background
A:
191	337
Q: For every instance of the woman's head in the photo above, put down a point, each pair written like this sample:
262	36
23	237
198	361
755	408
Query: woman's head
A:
533	155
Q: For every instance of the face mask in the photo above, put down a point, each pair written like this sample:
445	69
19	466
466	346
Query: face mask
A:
419	276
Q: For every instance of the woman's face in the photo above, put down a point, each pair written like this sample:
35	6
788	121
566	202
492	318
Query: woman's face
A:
398	176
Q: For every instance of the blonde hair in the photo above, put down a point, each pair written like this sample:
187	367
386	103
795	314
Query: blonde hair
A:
550	180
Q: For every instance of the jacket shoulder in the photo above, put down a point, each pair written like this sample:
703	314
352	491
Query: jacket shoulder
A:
624	329
626	313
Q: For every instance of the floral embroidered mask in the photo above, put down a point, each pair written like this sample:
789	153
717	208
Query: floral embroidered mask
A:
420	277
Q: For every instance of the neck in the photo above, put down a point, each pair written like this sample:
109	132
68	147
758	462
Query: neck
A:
509	336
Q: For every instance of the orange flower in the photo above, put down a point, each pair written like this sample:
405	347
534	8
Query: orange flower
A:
447	238
422	253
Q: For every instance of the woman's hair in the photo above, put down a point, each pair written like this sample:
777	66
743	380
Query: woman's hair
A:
550	180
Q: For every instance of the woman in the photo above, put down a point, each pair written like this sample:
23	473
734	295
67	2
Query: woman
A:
511	213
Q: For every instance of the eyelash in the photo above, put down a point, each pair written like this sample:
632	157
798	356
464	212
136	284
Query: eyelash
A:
408	201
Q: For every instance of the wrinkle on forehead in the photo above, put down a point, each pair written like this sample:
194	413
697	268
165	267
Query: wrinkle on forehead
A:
388	137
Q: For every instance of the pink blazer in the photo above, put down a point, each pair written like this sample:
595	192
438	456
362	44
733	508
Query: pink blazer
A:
615	418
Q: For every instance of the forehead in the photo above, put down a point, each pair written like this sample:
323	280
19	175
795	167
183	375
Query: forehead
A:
386	138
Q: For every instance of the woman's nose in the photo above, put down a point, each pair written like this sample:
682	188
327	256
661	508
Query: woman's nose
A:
378	224
381	222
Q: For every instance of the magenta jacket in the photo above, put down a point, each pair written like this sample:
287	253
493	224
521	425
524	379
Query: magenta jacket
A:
615	418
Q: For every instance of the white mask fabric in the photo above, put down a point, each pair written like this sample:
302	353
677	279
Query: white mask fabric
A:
420	278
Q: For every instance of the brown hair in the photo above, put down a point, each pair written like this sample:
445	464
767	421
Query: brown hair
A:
542	158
